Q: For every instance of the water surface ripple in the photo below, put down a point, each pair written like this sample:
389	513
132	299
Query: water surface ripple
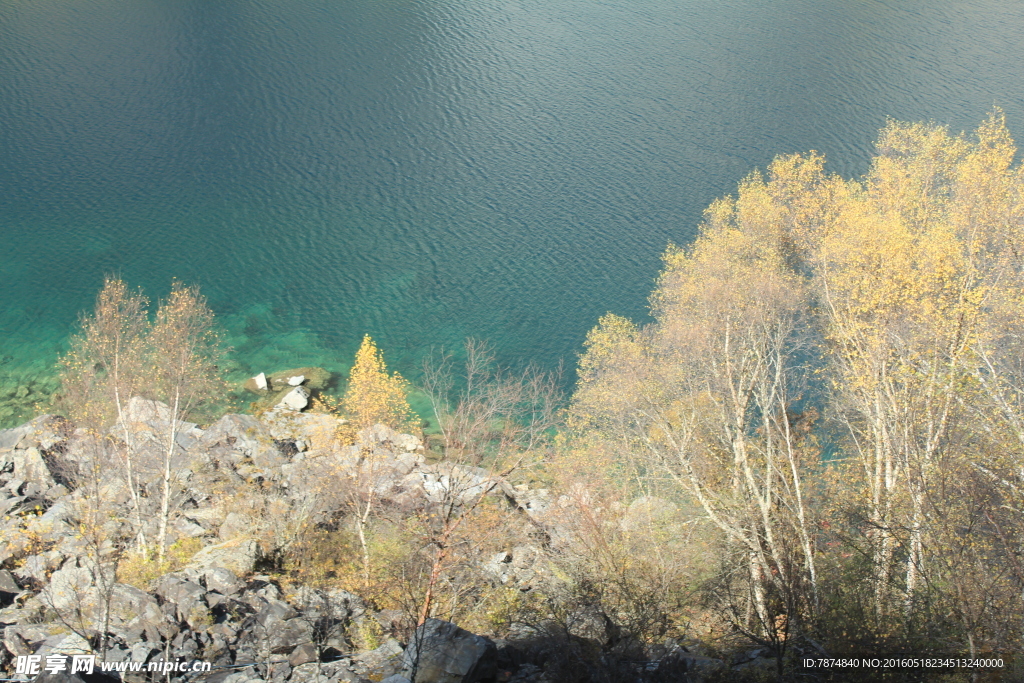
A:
427	170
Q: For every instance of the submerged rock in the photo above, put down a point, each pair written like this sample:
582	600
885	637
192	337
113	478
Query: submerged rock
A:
312	377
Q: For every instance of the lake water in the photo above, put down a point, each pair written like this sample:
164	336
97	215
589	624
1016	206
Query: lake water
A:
428	170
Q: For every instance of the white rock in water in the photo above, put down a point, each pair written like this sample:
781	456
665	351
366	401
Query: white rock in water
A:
261	381
297	380
296	399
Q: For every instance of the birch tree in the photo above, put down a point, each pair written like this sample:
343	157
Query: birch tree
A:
182	354
902	292
101	371
914	273
709	389
373	397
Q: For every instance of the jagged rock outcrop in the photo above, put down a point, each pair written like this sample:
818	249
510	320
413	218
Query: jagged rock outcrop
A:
242	486
57	588
441	652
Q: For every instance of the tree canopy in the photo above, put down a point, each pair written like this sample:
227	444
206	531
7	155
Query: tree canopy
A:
892	304
374	396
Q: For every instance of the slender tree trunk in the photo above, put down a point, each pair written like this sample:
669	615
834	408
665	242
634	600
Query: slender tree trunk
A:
435	573
129	461
165	502
757	586
361	527
914	554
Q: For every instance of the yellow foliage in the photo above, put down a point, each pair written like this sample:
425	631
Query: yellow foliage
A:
904	290
374	396
142	570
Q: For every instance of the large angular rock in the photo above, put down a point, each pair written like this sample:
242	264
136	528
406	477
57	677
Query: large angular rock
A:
223	581
247	435
238	556
60	640
7	583
288	635
241	432
153	414
378	664
444	482
136	610
186	595
70	587
9	438
314	431
303	654
30	466
296	399
441	652
22	639
274	613
235	524
43	432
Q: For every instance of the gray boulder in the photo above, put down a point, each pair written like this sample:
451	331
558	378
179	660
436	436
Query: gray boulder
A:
274	613
296	399
441	652
303	654
378	664
286	636
7	583
238	556
134	613
30	466
70	587
235	524
142	411
223	581
44	432
282	629
245	435
185	595
240	432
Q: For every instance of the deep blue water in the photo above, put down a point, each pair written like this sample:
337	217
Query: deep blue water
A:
428	170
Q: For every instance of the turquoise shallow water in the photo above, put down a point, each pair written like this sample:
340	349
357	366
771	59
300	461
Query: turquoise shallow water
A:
423	171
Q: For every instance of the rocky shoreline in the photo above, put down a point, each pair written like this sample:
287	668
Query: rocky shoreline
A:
225	604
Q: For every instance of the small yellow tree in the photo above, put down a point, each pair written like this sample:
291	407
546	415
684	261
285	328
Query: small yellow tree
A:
374	396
